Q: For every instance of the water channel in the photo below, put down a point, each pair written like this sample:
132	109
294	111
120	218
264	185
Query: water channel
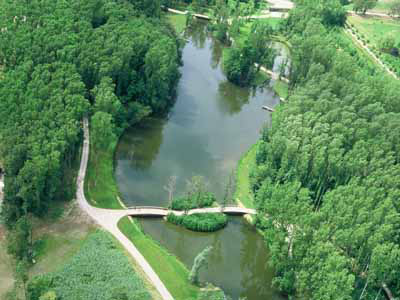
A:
210	126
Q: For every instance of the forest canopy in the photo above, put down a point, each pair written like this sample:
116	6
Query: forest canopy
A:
328	173
62	60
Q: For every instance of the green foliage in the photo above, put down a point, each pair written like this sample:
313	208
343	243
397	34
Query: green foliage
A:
238	65
100	270
394	8
19	239
327	171
185	203
196	195
200	261
243	61
363	5
328	12
57	59
206	222
150	8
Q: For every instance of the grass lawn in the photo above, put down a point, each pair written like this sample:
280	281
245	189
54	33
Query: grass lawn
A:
281	88
171	271
101	189
371	30
177	21
375	28
243	191
381	7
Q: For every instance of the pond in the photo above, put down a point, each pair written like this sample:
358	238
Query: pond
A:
210	126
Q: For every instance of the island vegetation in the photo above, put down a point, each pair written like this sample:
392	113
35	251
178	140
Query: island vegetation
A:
204	222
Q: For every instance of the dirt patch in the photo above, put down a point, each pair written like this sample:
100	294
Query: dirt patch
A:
58	239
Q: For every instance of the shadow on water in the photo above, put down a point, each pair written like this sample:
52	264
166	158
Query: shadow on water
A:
211	124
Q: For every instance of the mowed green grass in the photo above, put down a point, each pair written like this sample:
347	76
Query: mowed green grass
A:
101	189
375	28
381	7
171	271
243	191
281	88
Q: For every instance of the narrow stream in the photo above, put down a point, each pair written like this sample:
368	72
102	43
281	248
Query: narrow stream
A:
210	126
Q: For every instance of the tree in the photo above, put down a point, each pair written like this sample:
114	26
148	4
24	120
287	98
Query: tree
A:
170	188
199	262
363	5
150	8
394	9
102	135
50	295
102	131
239	64
21	275
20	239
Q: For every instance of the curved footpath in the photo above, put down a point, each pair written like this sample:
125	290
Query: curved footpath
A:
108	218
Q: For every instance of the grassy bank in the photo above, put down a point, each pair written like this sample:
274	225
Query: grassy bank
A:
177	21
171	271
243	191
281	88
100	186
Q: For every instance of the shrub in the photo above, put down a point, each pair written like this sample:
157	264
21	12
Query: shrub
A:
206	199
206	222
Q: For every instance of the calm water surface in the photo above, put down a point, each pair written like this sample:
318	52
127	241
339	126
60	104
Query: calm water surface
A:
210	126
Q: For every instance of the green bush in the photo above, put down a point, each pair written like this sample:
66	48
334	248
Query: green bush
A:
206	222
199	200
98	271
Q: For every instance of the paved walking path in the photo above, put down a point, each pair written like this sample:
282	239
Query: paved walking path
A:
280	5
108	218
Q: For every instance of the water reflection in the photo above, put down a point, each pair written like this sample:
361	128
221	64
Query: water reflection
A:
211	124
231	100
216	53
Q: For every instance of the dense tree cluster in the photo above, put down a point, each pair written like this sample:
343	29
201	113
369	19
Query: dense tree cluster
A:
243	60
327	179
64	59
